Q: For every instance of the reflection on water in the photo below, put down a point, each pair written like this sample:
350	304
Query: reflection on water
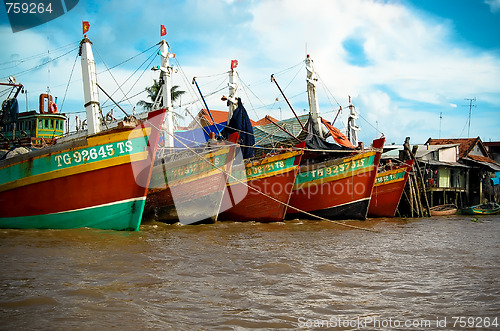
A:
251	275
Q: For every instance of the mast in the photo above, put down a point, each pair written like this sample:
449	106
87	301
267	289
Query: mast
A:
311	95
166	85
352	128
90	90
233	89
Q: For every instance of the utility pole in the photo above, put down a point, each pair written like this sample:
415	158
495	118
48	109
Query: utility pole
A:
470	112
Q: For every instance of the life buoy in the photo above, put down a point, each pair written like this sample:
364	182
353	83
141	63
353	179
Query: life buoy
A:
42	101
52	108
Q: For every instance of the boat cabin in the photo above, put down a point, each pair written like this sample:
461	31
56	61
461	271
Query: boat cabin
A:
35	128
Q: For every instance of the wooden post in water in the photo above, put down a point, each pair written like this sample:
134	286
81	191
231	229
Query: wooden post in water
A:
418	174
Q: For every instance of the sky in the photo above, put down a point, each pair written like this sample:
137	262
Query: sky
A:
409	66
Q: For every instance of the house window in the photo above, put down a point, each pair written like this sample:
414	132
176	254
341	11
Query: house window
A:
444	177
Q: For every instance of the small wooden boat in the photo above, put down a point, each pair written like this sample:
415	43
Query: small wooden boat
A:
489	208
443	210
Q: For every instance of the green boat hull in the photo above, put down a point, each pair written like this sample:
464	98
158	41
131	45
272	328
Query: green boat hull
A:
122	215
484	209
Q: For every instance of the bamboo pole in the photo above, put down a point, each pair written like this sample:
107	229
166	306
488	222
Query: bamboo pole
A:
419	173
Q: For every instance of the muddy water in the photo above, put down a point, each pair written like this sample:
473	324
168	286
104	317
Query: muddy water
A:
433	274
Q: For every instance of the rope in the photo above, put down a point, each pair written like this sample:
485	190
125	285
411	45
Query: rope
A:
45	63
266	195
152	57
109	70
69	81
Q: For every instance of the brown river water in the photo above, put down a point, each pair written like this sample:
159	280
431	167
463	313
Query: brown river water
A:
418	274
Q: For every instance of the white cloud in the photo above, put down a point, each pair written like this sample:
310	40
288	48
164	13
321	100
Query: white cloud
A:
494	5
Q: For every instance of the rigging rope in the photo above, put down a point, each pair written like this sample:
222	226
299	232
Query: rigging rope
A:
42	64
69	81
114	79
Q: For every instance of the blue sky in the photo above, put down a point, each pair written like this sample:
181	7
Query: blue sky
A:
405	63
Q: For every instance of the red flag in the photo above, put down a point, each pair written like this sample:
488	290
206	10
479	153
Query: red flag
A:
234	64
163	30
86	26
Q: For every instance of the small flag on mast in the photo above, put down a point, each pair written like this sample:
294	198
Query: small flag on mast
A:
234	64
163	30
86	26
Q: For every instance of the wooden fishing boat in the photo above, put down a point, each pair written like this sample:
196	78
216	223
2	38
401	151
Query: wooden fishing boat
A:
97	180
339	188
334	180
444	210
261	190
489	208
258	188
188	187
388	189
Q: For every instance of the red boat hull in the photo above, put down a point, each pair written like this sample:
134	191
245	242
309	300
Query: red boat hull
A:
387	191
97	181
336	189
263	198
345	198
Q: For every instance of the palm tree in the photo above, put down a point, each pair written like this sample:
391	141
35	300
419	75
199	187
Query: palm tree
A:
153	93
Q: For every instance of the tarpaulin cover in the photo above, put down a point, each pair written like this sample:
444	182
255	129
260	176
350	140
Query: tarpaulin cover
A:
314	141
240	122
196	136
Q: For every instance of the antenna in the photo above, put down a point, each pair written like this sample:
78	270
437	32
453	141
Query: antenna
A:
440	119
470	112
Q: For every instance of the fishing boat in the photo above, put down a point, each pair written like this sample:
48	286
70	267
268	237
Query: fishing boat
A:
261	191
444	210
97	178
259	187
30	128
188	182
388	189
339	188
490	208
334	179
188	187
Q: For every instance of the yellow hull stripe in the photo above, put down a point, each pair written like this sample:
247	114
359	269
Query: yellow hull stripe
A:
77	169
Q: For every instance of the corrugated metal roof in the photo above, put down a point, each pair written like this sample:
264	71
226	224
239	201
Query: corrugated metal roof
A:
271	135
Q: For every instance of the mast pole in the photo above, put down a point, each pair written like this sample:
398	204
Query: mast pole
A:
90	90
166	85
352	128
233	89
312	96
288	102
206	106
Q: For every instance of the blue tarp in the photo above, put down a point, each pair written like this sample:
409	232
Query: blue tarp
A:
496	180
196	136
